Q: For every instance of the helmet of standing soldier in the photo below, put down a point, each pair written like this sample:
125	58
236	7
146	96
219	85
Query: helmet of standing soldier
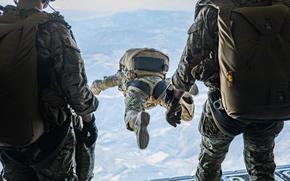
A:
44	2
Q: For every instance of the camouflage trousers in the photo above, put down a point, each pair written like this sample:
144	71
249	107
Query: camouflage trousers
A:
137	100
85	156
17	166
258	149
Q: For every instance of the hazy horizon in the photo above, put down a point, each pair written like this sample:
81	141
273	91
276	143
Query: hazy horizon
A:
113	6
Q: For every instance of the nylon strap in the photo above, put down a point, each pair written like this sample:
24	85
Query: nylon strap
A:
140	85
159	89
225	8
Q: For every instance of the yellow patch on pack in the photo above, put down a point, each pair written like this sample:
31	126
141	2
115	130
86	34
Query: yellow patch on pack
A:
71	43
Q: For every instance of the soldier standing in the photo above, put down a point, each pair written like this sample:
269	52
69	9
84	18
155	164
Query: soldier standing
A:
44	76
206	53
141	78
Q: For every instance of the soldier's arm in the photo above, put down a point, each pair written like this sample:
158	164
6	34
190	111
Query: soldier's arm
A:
193	89
71	73
196	49
109	81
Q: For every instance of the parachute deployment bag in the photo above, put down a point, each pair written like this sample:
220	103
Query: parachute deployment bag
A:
20	122
144	62
254	59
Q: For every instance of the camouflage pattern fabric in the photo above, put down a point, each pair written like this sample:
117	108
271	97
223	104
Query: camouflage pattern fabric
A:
136	100
85	156
62	86
199	62
117	79
61	72
17	166
58	168
87	163
258	149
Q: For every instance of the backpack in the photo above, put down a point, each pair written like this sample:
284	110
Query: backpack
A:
254	60
20	120
140	62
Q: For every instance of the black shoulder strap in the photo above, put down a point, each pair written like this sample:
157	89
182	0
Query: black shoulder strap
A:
225	8
224	4
217	4
200	4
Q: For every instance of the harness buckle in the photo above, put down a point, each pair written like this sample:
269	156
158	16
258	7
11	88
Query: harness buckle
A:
218	105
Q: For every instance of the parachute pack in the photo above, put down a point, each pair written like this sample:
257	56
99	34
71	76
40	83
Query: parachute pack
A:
141	62
20	120
254	59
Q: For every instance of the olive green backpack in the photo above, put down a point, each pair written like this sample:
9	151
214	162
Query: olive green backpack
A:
20	121
140	62
254	59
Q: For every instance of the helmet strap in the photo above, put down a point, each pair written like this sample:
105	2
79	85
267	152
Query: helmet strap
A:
52	8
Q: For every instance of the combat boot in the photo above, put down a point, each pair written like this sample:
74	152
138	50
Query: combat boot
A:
140	128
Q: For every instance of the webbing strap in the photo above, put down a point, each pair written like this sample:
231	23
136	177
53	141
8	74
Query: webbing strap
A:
223	3
28	23
140	85
220	116
225	8
159	89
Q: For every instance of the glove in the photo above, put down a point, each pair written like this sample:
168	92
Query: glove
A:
173	115
90	131
188	107
174	110
95	87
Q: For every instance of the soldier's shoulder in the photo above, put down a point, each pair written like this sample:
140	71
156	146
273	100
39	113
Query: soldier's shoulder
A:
209	2
57	23
203	2
206	4
205	12
60	29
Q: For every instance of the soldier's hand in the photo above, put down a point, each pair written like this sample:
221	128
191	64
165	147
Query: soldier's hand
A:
174	110
95	87
188	107
90	131
173	115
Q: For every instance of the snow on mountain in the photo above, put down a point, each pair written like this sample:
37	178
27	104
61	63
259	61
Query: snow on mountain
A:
171	151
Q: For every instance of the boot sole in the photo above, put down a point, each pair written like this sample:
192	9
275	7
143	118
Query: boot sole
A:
142	134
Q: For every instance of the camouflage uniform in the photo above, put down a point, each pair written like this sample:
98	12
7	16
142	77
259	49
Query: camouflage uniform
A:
138	99
85	156
199	62
62	87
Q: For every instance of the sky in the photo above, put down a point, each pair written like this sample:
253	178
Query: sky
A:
113	6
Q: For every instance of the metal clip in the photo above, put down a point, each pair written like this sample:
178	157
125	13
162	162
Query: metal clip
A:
218	105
